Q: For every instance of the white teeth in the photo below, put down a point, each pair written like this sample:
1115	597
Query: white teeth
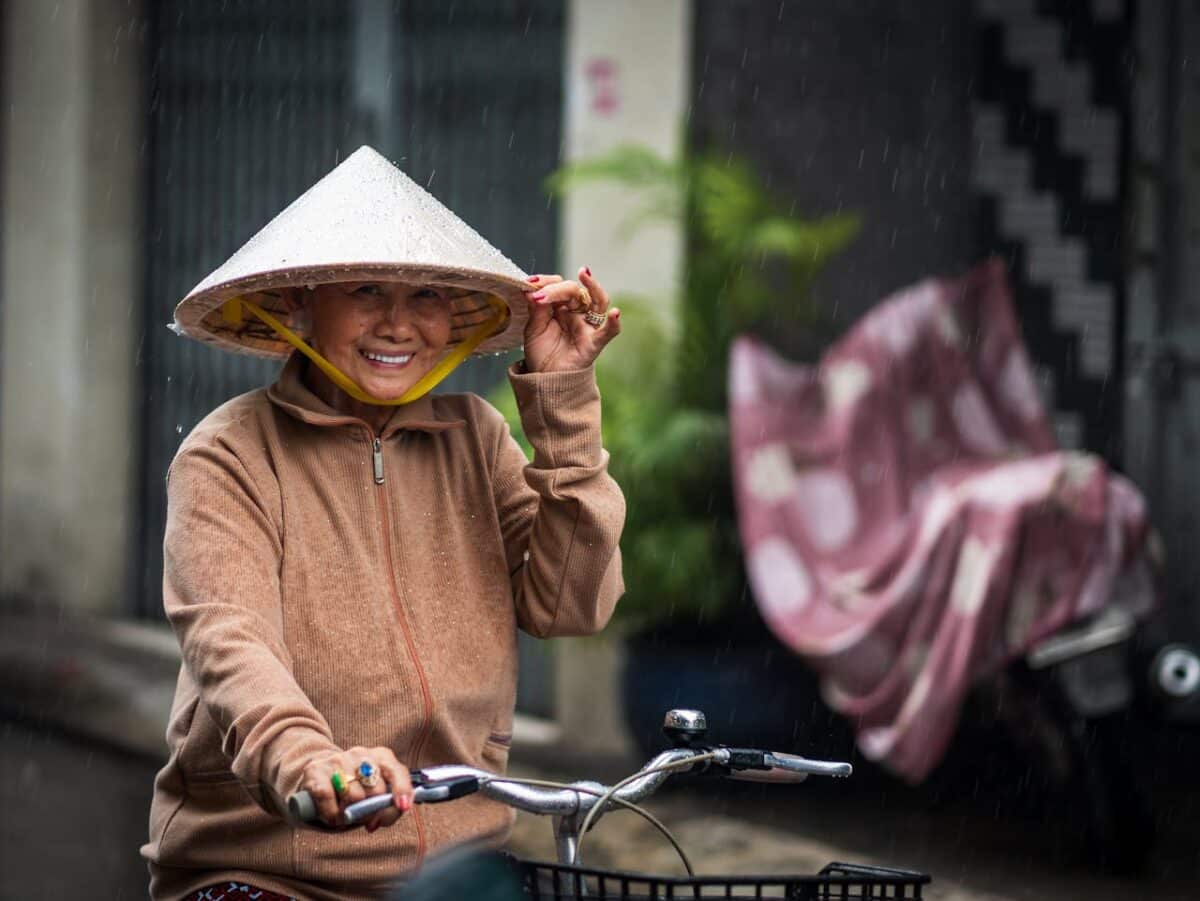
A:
384	358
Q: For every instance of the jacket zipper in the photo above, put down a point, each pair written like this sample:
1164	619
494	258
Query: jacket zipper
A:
377	460
426	696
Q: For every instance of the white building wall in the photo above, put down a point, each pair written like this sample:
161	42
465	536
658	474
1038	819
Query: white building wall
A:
628	79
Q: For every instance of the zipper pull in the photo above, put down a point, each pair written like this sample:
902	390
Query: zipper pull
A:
377	458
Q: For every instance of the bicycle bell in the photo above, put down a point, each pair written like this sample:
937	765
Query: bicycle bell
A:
684	728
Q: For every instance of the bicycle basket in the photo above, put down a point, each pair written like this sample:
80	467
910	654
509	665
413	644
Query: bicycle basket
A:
836	882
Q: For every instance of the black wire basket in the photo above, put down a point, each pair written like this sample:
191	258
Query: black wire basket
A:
836	882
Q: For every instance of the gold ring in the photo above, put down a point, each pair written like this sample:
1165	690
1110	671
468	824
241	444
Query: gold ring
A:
594	319
585	297
367	774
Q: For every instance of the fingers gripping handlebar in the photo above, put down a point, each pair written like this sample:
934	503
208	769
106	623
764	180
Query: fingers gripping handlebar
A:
431	786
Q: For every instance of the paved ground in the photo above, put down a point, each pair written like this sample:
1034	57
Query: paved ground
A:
72	815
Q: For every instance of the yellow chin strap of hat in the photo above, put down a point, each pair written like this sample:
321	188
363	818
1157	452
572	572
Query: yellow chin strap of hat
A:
233	312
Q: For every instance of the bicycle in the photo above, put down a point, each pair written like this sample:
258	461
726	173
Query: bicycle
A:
575	807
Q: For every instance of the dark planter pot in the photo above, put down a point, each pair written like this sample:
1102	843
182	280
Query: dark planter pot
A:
754	692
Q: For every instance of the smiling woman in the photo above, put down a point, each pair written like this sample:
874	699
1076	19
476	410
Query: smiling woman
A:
348	557
383	336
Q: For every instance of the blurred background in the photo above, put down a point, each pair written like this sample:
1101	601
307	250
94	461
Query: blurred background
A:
143	141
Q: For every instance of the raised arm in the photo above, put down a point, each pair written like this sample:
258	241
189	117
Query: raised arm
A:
561	514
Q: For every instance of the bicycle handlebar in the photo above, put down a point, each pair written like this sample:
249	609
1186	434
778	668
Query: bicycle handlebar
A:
444	783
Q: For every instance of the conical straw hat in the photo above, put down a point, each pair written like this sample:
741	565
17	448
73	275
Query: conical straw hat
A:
364	221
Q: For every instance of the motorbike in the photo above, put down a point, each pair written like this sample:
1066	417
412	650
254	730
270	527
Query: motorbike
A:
1081	705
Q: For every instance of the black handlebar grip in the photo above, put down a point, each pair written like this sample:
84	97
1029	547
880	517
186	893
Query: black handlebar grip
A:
302	807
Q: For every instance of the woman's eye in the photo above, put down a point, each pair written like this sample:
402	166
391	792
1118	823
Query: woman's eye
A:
426	298
368	290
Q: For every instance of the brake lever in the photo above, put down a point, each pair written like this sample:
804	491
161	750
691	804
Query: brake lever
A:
754	765
796	764
425	791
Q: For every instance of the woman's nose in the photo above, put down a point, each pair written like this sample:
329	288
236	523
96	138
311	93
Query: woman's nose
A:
396	318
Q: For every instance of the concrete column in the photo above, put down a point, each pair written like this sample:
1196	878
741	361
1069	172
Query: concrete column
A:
70	289
628	82
628	77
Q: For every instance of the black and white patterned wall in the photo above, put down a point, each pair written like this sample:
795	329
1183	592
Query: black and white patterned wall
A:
1049	109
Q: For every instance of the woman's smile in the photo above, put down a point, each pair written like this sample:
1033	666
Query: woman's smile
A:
387	361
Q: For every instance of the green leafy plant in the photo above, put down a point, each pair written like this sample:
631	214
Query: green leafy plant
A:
750	265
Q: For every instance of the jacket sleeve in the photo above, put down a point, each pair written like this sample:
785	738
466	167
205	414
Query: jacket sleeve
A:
221	592
561	514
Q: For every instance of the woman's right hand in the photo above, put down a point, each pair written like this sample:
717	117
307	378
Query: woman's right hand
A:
392	776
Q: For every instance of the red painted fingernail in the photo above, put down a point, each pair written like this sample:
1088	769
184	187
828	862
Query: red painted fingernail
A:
540	295
534	278
372	827
588	271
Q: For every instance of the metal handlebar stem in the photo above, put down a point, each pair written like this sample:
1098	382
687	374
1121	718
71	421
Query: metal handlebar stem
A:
591	799
640	784
566	851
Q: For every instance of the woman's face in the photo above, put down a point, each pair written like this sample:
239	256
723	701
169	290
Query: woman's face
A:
383	335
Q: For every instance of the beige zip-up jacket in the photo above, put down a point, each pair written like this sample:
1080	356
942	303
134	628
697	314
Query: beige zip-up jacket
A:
331	588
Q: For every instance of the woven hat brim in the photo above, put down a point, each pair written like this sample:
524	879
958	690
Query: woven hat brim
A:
199	314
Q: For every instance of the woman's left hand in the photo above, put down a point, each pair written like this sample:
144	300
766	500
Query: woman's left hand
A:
558	336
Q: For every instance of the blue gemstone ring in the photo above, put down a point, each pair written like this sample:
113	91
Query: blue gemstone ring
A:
367	774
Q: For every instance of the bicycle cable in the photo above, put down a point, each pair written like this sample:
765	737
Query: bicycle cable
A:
628	805
610	795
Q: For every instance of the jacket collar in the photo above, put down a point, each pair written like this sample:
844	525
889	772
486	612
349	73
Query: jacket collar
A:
291	395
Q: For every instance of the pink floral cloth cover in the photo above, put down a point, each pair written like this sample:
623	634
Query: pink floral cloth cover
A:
908	521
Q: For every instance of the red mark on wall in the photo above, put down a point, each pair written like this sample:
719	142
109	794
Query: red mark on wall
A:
601	74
